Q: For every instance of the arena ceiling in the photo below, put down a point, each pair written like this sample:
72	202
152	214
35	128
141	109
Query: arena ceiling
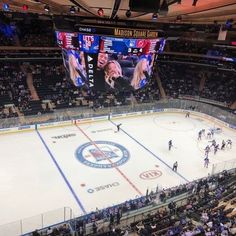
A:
205	11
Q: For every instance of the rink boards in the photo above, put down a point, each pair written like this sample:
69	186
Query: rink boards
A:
113	117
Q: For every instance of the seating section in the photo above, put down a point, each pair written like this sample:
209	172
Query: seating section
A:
54	90
202	207
181	79
202	213
13	90
220	86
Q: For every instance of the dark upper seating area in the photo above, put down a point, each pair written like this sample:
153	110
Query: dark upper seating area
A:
220	86
183	79
27	33
198	47
42	87
13	89
49	88
179	79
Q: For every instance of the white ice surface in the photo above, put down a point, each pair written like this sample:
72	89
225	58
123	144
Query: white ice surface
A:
32	184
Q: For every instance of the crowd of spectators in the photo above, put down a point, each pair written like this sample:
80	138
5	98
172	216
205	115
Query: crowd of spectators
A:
181	79
216	63
28	33
6	41
187	46
13	89
205	212
38	40
51	85
220	86
207	208
60	230
199	47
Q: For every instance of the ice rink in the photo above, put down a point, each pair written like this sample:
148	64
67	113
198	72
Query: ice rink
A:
91	166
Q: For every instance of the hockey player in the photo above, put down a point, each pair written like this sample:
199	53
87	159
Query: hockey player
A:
223	145
212	132
216	148
175	166
199	135
213	143
229	143
170	144
187	115
118	127
209	135
206	162
207	150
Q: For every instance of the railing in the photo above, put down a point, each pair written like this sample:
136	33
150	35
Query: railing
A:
223	165
41	221
86	112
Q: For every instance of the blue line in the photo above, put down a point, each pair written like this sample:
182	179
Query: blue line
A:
150	152
62	174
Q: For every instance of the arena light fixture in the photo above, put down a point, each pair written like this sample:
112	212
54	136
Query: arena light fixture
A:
25	7
154	16
46	8
229	24
128	13
5	7
100	12
72	10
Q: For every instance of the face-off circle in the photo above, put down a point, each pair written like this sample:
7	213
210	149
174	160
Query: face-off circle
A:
102	154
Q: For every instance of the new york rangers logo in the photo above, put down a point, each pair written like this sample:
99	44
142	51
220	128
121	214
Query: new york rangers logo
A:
102	154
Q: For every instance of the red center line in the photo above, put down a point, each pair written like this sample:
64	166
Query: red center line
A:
121	173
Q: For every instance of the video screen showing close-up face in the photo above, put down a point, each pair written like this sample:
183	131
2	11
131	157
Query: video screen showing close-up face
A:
75	66
109	63
133	71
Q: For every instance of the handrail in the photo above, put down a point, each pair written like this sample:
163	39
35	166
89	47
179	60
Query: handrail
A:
20	48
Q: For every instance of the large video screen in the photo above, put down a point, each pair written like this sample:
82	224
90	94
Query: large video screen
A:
107	63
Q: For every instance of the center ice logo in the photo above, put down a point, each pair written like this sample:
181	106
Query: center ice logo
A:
102	154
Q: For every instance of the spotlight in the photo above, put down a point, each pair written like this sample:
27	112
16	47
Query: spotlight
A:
72	10
100	12
5	7
128	13
25	7
46	8
229	24
194	3
154	16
